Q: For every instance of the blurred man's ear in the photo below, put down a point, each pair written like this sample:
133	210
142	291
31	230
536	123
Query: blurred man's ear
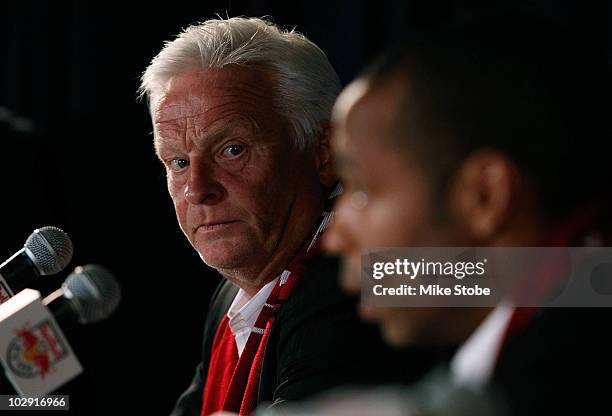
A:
324	158
484	194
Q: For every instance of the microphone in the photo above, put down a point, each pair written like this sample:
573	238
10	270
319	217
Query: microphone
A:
46	251
33	348
89	294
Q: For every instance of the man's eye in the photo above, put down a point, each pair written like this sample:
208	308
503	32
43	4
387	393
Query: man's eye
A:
178	164
233	151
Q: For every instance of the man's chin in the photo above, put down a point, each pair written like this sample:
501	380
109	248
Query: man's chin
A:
224	255
222	262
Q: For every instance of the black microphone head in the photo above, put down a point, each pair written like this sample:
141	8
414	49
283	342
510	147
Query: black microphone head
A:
93	292
50	249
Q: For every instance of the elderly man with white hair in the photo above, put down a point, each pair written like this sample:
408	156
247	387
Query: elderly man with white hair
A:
241	115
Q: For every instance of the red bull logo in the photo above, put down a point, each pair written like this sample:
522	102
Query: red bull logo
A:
35	350
4	292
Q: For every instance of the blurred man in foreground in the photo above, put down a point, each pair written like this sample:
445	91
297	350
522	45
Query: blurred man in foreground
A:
482	135
241	112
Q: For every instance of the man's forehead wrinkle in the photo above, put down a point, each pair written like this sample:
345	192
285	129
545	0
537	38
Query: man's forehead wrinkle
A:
193	100
173	109
235	102
241	97
256	91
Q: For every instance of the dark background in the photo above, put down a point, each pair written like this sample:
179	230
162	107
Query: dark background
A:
76	152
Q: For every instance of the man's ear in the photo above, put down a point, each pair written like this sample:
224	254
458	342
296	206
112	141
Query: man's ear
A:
484	194
324	157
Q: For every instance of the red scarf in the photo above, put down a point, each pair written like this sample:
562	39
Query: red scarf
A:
223	360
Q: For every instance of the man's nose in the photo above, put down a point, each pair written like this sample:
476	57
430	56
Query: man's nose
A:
202	186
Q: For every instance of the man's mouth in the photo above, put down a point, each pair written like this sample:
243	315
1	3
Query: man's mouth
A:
214	226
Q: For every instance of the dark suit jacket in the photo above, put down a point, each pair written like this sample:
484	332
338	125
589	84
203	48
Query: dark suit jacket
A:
317	342
561	364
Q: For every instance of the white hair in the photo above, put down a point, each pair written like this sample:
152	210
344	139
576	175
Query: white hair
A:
306	85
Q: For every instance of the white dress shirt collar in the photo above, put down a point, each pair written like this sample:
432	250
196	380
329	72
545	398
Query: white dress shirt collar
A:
473	365
243	313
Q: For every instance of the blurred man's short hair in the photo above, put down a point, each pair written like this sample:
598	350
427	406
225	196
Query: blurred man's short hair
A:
535	91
